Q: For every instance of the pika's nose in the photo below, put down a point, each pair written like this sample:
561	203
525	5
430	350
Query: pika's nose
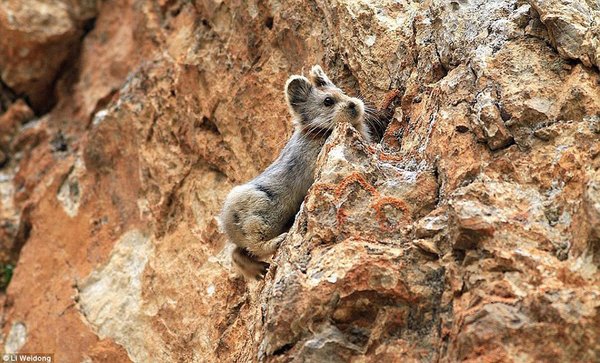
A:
351	105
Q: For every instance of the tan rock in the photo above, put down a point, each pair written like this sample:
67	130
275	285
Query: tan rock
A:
573	28
38	37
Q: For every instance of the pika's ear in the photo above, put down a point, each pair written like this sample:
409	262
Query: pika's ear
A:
297	90
319	78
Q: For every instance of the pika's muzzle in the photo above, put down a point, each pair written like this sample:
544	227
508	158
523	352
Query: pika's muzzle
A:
352	109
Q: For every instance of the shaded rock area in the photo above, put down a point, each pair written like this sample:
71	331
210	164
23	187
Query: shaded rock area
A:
471	232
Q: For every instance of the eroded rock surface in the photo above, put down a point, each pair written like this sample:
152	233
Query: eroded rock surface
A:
470	233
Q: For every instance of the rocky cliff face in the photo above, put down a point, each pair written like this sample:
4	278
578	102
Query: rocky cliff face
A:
470	233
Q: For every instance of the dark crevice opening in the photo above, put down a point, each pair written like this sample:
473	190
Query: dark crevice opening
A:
88	26
269	22
206	124
283	349
7	96
439	184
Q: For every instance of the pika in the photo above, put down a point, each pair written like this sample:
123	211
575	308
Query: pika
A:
257	215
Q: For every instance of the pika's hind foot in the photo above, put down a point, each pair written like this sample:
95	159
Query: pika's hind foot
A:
247	265
267	248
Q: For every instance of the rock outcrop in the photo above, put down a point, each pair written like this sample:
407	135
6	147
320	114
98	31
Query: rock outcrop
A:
470	233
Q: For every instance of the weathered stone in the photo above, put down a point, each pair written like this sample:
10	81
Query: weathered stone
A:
573	28
10	121
38	38
16	338
489	119
110	298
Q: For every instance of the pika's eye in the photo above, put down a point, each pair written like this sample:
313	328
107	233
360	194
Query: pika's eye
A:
328	101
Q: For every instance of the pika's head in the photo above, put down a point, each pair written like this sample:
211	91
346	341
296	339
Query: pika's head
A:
317	104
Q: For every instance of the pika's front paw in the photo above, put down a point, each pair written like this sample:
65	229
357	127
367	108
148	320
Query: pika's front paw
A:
247	265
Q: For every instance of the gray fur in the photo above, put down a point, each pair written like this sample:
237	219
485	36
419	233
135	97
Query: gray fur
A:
257	215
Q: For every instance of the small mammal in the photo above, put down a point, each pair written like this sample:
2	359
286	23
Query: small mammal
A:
257	215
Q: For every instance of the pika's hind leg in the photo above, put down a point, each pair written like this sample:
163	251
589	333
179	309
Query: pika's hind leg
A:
247	265
267	248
